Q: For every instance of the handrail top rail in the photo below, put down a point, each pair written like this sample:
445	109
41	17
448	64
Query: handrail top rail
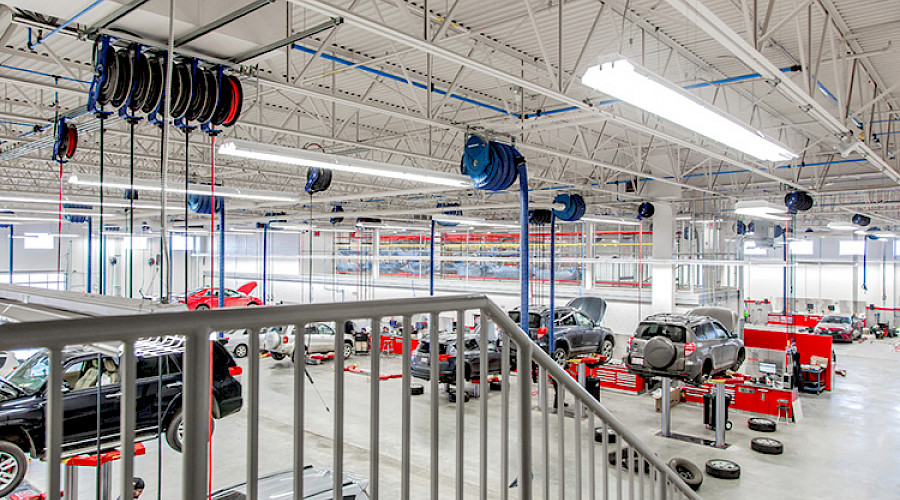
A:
59	333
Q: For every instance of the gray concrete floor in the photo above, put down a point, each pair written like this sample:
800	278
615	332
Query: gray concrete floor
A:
846	446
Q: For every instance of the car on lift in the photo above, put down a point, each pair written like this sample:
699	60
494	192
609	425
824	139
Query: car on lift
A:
208	298
448	354
576	330
318	338
318	483
841	327
91	386
693	346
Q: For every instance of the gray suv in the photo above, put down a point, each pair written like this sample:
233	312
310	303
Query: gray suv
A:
576	329
690	346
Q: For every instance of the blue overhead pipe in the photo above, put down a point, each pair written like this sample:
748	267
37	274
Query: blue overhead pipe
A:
63	26
431	261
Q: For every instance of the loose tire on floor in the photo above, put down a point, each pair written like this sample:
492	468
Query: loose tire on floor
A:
610	435
688	471
723	469
627	460
13	465
277	356
416	389
761	425
767	445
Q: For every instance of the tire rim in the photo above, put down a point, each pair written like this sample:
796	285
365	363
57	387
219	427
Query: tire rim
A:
560	356
684	472
348	350
9	469
179	433
723	464
240	351
607	349
767	442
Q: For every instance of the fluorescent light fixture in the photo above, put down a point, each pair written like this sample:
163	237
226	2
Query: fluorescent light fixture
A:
842	226
761	209
140	243
468	221
55	201
307	158
52	235
883	234
706	221
182	243
198	189
14	218
39	242
364	225
639	87
611	220
802	247
852	247
683	217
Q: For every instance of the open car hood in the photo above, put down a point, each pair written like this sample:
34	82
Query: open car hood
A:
727	317
593	307
247	288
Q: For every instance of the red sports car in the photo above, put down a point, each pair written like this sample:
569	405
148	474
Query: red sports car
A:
205	298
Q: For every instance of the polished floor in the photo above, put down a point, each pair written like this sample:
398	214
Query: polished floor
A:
846	446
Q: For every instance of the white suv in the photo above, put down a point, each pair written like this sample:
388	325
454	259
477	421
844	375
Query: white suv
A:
318	338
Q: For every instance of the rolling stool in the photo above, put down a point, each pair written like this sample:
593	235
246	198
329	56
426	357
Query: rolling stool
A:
784	407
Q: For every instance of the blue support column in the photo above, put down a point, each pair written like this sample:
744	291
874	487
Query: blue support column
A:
265	257
221	254
525	273
552	327
90	225
431	261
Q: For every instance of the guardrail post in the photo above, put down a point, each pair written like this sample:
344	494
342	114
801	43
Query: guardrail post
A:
252	388
53	417
128	410
195	465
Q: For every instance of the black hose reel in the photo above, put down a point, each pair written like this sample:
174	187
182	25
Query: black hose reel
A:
798	201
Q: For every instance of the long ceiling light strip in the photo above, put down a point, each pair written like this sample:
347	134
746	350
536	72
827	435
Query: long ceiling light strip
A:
198	189
55	201
761	209
307	158
611	220
641	88
468	221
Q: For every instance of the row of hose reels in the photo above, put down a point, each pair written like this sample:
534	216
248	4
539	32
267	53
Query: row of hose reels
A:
132	80
493	166
66	141
202	204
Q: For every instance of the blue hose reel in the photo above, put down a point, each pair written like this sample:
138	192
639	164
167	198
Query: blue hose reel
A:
457	213
202	204
798	201
76	218
574	207
646	210
492	165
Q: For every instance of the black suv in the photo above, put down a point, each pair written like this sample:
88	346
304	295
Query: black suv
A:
447	355
576	329
91	386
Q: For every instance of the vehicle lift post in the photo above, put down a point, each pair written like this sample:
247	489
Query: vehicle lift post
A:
720	413
666	408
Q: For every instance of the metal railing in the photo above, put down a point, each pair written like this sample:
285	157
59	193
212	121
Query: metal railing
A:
517	452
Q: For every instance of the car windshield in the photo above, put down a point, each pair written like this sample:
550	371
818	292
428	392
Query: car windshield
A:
31	375
836	319
675	333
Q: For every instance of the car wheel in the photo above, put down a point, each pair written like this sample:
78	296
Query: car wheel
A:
240	351
767	446
761	425
175	431
349	351
705	373
200	307
560	355
13	465
723	469
606	349
277	356
252	304
688	471
740	360
627	460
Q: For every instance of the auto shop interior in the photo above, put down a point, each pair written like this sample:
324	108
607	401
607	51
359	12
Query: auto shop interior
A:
242	240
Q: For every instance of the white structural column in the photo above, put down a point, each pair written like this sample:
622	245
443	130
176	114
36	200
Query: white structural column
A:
588	241
663	271
376	254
